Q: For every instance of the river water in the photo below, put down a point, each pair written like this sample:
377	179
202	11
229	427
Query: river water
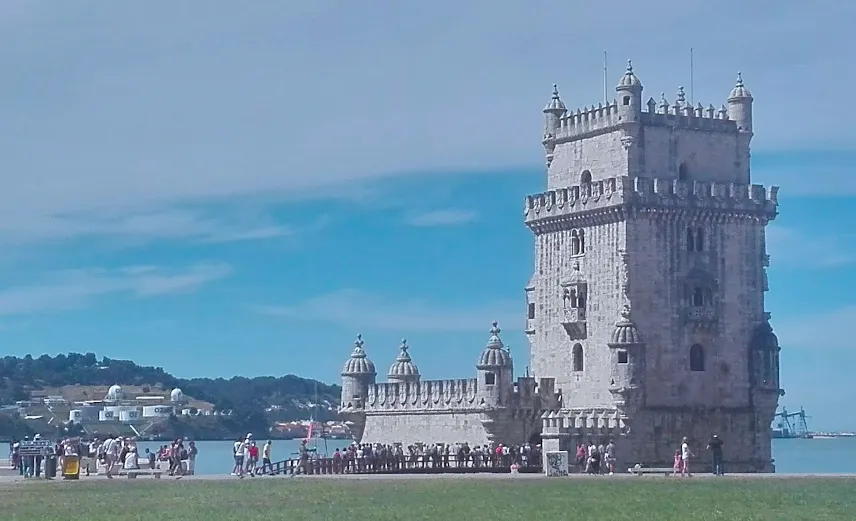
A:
818	456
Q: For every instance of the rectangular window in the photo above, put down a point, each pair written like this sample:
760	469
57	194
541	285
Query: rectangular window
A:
489	379
622	357
531	310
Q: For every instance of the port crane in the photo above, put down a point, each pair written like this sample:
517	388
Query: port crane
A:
792	424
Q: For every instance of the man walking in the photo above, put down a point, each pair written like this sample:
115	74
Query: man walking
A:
266	463
715	447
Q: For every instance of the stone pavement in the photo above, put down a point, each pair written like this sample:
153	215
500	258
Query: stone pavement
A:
15	480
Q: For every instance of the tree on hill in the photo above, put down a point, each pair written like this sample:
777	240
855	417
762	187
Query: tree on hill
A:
244	396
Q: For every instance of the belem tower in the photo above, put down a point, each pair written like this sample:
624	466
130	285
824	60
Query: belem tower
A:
645	313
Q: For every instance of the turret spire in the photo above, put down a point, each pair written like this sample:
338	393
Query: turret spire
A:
555	104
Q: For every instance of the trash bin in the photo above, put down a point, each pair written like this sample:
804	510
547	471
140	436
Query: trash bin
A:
71	467
50	467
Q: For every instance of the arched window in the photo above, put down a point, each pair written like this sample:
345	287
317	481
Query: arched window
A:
575	243
626	100
578	357
581	300
699	241
585	178
582	236
697	358
683	175
690	240
698	297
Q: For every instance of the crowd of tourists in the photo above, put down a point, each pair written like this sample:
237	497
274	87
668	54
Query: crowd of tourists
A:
111	454
364	458
592	458
367	457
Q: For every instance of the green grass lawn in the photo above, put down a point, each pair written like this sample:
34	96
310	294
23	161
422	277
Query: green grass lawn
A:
649	499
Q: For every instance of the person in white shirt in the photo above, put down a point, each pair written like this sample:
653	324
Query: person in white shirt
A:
238	453
111	455
131	460
686	454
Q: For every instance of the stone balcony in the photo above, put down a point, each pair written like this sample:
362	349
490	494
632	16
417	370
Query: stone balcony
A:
701	314
702	317
574	322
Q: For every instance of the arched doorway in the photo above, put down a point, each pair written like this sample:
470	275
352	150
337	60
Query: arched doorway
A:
535	439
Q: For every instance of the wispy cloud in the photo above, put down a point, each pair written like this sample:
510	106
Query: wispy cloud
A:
187	224
447	217
363	311
130	125
830	329
71	289
788	248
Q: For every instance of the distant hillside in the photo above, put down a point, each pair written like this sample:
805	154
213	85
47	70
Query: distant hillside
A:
85	377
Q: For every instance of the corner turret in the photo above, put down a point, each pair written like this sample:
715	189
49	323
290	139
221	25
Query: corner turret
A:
403	369
627	359
629	91
553	113
495	371
357	375
740	106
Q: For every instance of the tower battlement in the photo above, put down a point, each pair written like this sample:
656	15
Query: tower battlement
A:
593	120
427	394
654	192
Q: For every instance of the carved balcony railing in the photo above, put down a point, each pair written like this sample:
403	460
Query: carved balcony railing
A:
701	314
574	322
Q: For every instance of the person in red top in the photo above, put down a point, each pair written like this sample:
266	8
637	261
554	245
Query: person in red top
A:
254	459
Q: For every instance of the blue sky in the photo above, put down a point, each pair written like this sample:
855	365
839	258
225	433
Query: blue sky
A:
221	190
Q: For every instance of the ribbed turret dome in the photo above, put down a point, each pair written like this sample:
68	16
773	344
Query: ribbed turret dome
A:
629	80
555	104
403	368
358	364
494	355
625	332
739	90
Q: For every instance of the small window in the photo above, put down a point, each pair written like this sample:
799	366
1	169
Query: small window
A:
699	242
585	178
626	100
622	357
683	175
531	310
489	379
582	236
578	358
690	240
697	358
698	297
575	243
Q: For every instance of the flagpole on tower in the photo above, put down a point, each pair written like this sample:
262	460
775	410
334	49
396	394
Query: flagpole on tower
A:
605	80
692	78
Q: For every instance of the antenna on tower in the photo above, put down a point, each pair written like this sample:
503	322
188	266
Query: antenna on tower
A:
605	80
692	78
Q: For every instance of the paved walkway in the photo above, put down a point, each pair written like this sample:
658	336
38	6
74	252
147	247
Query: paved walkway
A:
9	480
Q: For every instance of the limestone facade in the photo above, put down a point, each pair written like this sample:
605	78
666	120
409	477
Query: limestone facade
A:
645	312
490	408
654	211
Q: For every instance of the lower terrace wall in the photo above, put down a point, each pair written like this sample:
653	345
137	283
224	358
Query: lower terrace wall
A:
653	435
425	427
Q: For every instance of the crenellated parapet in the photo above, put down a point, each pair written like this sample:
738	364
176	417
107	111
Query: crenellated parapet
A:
531	394
584	423
588	120
423	395
659	194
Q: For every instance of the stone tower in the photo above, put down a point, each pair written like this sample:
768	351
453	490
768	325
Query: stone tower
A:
647	301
